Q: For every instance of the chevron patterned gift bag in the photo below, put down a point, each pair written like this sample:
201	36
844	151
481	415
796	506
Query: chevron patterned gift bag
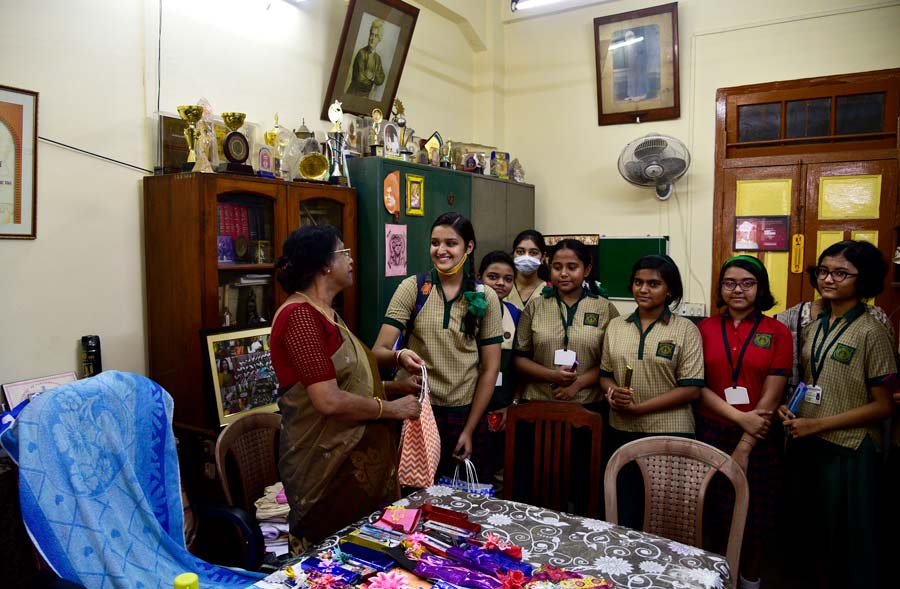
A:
420	444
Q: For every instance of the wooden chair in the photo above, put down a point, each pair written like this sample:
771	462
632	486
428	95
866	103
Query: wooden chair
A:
247	458
554	423
677	472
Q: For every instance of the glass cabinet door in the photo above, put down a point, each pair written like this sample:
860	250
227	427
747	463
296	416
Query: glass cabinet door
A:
335	206
245	234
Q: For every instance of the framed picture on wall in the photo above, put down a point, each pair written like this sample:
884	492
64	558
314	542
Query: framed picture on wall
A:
637	65
16	392
18	163
370	56
240	367
415	195
762	234
585	238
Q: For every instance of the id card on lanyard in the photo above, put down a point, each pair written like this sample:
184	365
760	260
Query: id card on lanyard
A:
565	356
737	395
818	357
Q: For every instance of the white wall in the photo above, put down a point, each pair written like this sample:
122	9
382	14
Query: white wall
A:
94	64
551	106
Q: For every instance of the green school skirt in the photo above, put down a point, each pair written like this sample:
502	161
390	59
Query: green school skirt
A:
835	504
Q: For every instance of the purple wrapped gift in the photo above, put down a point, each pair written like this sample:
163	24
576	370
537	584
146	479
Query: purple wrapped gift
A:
434	567
488	561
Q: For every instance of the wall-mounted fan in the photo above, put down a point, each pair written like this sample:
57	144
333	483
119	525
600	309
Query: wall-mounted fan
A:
655	160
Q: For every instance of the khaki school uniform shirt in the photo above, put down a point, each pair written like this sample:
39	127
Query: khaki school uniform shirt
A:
540	333
853	359
516	299
668	355
438	338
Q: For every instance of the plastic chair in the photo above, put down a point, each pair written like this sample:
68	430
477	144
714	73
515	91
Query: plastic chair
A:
247	458
677	472
554	423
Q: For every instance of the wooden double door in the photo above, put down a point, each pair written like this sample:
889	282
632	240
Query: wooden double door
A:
821	203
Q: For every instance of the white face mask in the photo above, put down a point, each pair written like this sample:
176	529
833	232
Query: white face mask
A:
527	265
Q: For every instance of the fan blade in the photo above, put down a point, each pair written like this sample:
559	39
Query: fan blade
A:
650	148
674	166
633	172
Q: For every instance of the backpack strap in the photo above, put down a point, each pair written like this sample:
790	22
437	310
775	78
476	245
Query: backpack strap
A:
423	289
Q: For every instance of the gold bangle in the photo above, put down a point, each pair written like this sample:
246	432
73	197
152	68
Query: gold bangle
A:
380	408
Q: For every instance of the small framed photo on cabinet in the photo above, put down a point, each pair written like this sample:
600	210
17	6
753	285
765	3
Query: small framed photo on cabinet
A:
415	195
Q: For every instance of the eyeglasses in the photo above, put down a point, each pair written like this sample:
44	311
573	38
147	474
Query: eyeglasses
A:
837	275
746	284
345	251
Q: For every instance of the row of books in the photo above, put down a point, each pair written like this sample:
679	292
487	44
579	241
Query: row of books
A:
252	222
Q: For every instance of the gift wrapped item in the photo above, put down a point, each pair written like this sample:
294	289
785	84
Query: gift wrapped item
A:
401	519
487	561
553	574
329	567
434	567
373	558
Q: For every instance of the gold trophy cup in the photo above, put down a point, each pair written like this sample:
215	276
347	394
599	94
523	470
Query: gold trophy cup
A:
235	146
191	114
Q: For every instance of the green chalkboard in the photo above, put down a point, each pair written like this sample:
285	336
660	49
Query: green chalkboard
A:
616	256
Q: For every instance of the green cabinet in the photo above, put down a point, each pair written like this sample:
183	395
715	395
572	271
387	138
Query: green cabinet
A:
444	191
500	210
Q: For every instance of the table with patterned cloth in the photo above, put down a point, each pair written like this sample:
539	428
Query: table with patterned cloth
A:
592	547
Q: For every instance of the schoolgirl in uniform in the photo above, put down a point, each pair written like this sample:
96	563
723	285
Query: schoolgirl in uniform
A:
747	358
529	249
456	334
834	451
666	354
497	271
560	335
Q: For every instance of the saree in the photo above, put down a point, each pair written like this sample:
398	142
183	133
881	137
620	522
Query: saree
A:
336	471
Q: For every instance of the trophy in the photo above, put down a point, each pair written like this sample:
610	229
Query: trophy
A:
404	132
336	144
375	145
191	115
277	139
236	146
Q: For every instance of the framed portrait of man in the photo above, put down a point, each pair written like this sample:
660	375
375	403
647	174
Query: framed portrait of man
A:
370	55
637	65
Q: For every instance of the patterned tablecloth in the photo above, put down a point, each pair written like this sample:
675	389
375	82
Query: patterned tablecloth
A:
627	557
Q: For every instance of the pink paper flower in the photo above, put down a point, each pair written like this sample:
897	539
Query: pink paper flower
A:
389	580
324	582
492	541
512	580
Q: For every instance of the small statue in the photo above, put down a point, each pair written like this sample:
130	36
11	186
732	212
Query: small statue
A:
335	114
516	171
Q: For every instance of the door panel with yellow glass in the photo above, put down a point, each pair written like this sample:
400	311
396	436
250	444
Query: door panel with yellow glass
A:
768	193
852	200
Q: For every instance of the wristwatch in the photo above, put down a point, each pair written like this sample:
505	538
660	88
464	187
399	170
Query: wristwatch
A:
516	401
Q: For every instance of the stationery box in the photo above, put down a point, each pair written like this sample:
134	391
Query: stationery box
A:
377	560
369	541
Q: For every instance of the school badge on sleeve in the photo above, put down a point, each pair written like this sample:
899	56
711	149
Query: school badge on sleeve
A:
762	340
592	319
665	350
843	354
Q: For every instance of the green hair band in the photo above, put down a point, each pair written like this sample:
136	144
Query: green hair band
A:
745	258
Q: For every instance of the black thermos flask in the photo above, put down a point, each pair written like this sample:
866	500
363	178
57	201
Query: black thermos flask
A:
91	364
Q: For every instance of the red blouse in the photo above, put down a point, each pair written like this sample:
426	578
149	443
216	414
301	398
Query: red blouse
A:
771	352
303	342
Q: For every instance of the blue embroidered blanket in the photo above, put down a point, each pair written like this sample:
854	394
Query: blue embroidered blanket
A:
99	485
